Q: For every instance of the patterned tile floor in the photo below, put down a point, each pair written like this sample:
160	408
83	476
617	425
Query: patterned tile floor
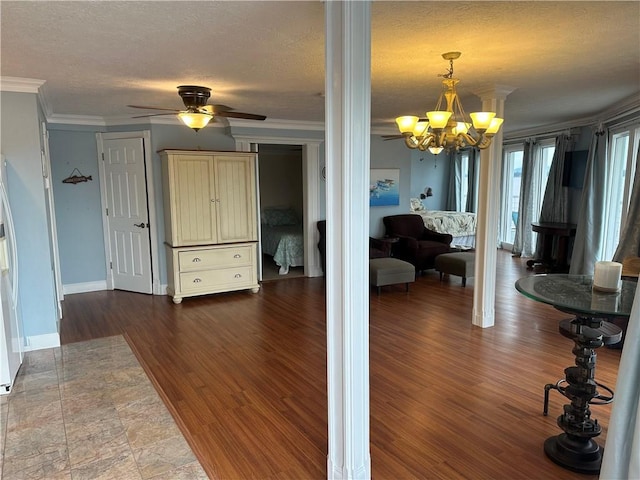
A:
88	411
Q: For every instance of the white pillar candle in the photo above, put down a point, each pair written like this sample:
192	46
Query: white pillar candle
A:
606	276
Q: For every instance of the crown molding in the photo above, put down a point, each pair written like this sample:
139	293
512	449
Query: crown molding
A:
277	124
20	85
627	107
76	120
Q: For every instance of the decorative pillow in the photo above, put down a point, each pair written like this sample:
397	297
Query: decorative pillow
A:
416	205
274	216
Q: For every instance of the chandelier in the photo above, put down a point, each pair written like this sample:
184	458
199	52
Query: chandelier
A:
449	129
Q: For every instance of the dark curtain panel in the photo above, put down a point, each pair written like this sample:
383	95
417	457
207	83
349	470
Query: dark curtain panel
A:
589	231
472	194
453	197
523	244
555	203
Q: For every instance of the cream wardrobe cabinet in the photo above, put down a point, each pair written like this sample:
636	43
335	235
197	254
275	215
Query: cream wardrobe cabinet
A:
210	222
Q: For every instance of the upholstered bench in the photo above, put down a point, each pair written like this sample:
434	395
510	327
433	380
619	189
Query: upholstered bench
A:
389	271
461	264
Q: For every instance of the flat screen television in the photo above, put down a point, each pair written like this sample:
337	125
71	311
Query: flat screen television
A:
575	165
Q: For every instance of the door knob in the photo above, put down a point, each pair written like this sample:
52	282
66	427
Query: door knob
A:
140	225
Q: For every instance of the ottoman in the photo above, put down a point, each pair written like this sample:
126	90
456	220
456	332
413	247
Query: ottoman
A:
461	264
389	271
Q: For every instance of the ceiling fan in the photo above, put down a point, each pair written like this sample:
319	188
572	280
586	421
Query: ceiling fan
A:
198	113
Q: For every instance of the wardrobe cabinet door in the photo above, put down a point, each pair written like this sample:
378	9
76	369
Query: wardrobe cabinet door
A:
235	198
194	201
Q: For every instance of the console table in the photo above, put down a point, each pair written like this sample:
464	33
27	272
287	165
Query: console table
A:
589	329
550	231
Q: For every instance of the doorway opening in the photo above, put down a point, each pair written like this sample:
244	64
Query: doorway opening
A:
281	199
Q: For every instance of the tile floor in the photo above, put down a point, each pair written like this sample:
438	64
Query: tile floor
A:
88	411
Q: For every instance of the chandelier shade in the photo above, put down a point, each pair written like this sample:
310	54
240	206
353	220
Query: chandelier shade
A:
449	128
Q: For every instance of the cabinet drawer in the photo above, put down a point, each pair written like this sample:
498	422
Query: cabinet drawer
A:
215	257
215	279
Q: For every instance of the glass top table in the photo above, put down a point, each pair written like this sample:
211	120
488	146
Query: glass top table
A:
574	294
576	449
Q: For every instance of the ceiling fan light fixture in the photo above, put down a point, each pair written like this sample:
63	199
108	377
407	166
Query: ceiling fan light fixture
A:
195	120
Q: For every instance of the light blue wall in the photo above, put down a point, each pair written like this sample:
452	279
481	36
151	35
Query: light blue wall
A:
21	144
390	154
78	208
430	170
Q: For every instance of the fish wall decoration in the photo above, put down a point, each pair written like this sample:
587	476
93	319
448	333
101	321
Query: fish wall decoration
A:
79	178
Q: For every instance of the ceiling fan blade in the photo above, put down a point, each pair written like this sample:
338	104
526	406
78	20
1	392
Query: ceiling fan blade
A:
220	108
247	116
391	137
153	115
153	108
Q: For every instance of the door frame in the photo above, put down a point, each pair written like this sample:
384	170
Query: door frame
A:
145	135
51	220
310	190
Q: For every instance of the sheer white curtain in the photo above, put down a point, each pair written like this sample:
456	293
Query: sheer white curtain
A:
524	242
590	226
621	460
629	245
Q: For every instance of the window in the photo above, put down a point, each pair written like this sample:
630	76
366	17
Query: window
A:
511	193
623	147
541	163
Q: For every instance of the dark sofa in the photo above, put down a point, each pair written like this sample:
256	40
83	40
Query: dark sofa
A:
416	244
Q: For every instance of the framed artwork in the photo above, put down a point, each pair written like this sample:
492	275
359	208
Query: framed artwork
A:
384	187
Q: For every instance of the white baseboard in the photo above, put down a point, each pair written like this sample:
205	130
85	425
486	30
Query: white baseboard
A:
84	287
40	342
158	289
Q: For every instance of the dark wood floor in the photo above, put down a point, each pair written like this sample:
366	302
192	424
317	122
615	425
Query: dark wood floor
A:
245	376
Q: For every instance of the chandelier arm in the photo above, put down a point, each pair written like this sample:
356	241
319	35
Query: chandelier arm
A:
440	137
484	142
472	142
427	140
411	141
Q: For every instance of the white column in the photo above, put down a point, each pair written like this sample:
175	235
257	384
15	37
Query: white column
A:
347	113
484	291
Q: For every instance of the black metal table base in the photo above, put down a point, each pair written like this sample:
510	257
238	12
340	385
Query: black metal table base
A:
574	453
576	449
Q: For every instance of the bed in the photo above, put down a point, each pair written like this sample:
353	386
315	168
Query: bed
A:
283	238
460	225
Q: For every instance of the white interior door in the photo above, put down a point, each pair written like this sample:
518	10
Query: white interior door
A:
127	214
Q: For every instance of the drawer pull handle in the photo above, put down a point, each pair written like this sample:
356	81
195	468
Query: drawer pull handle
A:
196	280
237	275
196	260
237	255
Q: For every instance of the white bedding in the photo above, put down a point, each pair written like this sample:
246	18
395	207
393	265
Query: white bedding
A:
456	224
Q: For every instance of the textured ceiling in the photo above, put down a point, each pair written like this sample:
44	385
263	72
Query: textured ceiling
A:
565	60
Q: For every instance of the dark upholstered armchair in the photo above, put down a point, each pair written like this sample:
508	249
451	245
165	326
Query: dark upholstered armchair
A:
416	243
377	248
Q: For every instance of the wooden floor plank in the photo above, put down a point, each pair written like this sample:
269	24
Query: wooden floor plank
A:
245	376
